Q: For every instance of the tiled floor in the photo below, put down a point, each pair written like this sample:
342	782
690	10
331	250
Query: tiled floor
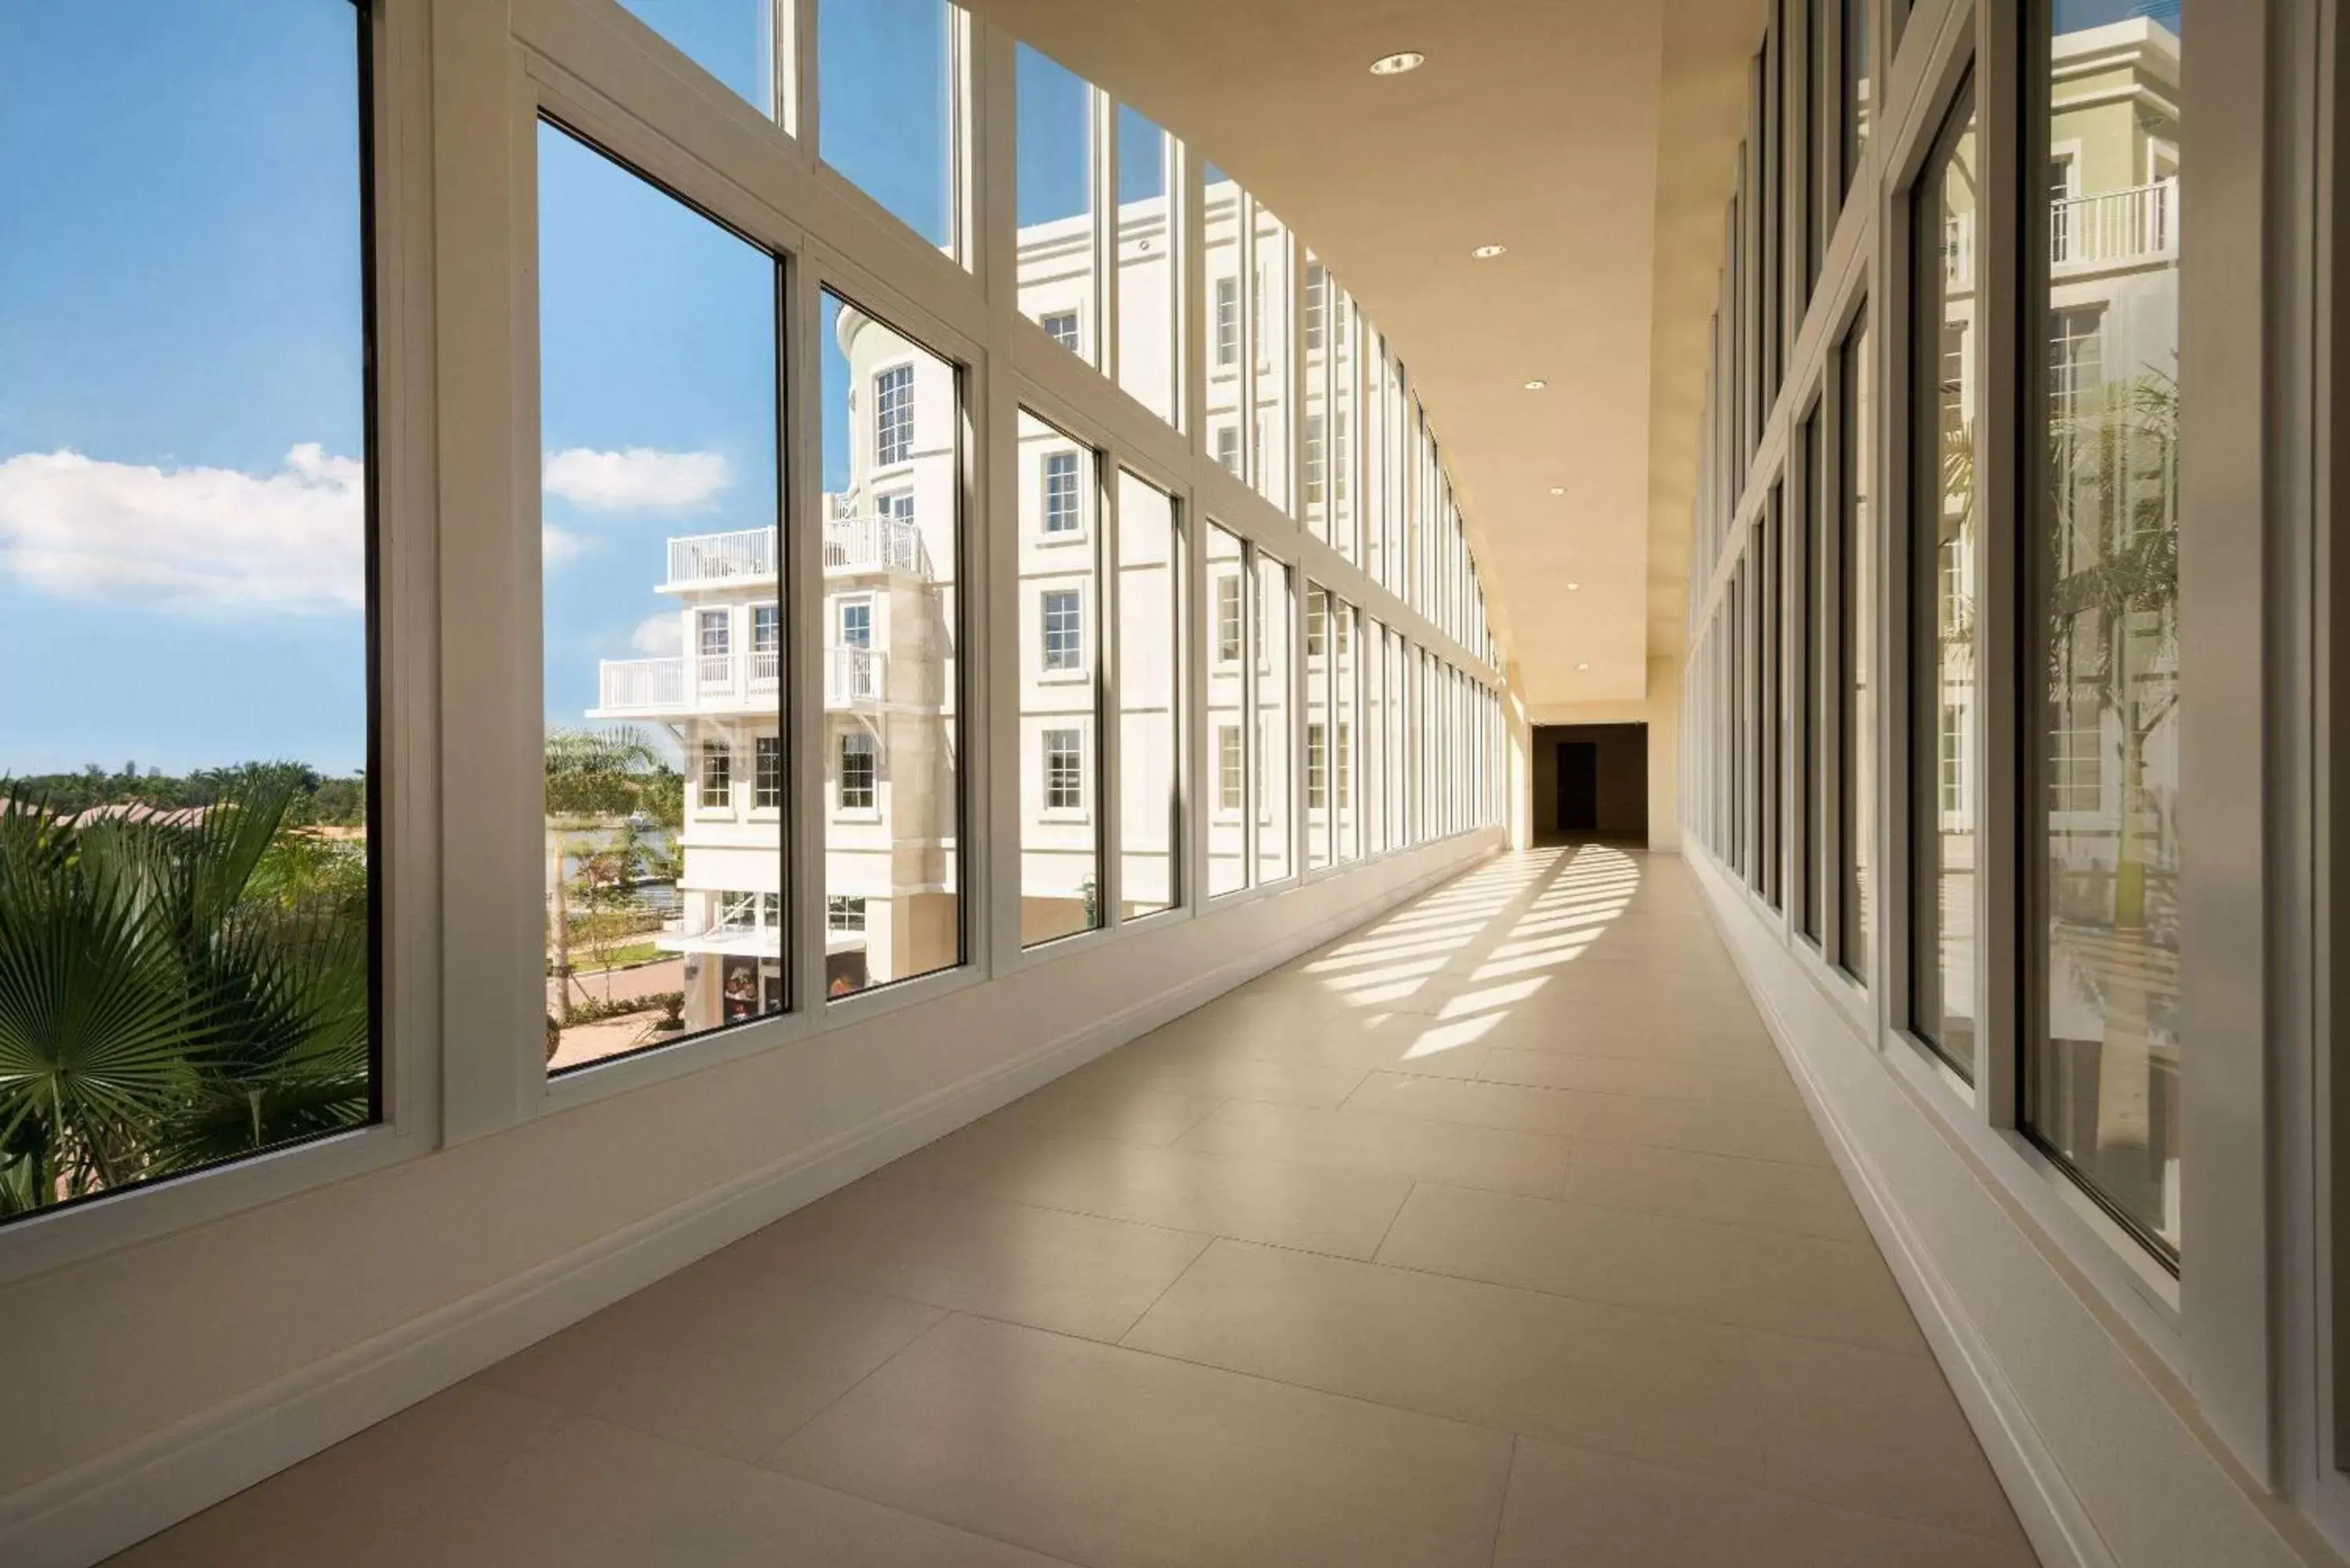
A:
1492	1234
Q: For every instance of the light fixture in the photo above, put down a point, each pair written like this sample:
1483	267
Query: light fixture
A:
1487	253
1572	586
1583	666
1394	65
1536	385
1558	490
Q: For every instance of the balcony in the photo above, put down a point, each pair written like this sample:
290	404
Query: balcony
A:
852	543
720	683
2115	228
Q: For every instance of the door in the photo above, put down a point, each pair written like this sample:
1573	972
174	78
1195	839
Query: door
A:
1579	787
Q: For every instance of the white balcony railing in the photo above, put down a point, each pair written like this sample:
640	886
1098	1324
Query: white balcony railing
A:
854	675
642	683
851	676
864	542
716	557
2140	223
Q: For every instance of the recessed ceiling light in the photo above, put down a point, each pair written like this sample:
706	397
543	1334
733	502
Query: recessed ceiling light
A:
1582	666
1394	65
1487	253
1572	586
1558	490
1536	385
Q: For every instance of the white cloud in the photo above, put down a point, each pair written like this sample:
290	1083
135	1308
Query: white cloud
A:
188	538
637	480
559	547
659	636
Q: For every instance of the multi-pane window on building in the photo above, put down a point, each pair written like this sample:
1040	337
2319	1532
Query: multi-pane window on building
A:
1150	645
1053	183
1228	322
1060	698
1944	632
1318	671
1345	707
767	773
1148	272
661	603
1226	634
886	106
1228	448
891	692
1273	333
2103	839
1064	497
893	415
184	536
844	914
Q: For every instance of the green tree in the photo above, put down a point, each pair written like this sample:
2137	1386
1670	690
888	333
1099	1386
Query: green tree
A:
595	780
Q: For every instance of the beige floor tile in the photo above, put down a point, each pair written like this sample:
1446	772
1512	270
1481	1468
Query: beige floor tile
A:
1394	1043
1841	1539
1126	1112
1751	1132
1119	1460
1518	1361
1770	1195
1714	1082
1711	1273
367	1485
1879	1434
967	1251
1399	1146
719	1356
490	1533
1231	1078
1287	1205
1573	1509
718	1512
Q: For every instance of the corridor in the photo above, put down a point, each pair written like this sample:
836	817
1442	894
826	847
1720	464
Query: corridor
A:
1494	1231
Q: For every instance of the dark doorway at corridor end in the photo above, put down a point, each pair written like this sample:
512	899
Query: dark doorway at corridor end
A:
1591	781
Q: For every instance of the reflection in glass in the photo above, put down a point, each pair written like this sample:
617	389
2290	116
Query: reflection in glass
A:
891	681
733	40
1054	186
1225	634
1373	663
1345	704
1857	628
1060	697
1271	699
1947	723
884	98
183	547
1221	332
1147	271
1149	603
663	594
1319	663
2101	1085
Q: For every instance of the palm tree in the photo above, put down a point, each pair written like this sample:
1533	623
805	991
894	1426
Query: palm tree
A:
593	777
172	993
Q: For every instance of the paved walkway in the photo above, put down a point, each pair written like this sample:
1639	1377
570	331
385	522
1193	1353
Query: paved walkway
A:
1493	1233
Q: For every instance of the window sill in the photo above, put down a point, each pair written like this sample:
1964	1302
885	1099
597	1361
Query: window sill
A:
1061	816
1063	677
863	814
1050	538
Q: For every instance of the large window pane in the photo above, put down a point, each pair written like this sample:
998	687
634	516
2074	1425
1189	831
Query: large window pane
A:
733	40
1320	659
892	678
664	664
1857	628
2101	1076
1225	637
1147	275
1811	692
1373	663
884	92
185	831
1345	729
1055	183
1274	598
1060	694
1149	604
1945	719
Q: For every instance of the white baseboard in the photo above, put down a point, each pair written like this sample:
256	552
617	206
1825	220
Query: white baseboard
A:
84	1515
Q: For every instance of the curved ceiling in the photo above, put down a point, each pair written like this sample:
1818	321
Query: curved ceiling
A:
1596	138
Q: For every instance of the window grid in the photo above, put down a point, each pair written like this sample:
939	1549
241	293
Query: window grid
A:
1064	640
858	783
1064	771
1064	499
893	416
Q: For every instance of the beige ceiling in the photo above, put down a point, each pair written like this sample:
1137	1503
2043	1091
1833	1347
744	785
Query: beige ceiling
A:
1596	140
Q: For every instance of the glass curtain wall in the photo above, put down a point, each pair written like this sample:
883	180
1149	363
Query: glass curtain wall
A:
897	144
1054	184
1225	635
2102	1061
1150	644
